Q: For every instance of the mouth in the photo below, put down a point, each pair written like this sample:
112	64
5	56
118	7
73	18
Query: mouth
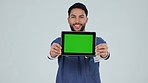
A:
77	26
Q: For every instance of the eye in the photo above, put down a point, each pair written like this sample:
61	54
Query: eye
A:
72	16
81	16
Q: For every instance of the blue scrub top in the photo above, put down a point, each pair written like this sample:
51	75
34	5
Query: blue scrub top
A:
78	69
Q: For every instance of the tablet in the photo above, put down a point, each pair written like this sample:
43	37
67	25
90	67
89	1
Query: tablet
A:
78	43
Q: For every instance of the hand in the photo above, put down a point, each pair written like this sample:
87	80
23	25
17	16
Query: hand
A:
55	50
102	50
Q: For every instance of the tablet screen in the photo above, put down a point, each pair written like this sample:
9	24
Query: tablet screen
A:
78	43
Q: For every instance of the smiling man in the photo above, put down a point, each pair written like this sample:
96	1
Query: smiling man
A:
77	19
78	69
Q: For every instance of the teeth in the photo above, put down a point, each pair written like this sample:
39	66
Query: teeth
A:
77	25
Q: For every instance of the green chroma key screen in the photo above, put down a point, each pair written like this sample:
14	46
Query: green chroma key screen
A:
78	43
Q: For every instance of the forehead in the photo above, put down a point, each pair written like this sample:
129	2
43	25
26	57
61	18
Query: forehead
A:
77	11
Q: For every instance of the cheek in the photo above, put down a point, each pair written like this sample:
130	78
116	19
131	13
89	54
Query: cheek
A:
71	22
83	21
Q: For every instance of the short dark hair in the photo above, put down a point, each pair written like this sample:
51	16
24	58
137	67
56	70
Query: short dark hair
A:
78	5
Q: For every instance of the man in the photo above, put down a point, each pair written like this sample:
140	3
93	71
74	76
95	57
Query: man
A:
78	69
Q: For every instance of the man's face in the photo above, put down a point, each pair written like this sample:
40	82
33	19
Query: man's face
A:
77	19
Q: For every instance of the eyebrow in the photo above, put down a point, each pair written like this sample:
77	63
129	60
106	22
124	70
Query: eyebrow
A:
75	15
72	15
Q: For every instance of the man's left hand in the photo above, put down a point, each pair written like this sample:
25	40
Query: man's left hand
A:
102	50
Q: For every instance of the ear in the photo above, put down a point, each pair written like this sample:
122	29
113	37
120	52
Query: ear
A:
86	19
68	19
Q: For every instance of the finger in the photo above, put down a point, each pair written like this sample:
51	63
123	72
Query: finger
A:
55	52
97	53
100	50
102	46
103	55
57	45
55	48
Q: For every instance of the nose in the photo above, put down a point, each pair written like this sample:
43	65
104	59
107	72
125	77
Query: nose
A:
77	20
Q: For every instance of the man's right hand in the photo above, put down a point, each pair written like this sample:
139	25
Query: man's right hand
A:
55	50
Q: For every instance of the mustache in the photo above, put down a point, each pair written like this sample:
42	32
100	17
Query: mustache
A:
77	24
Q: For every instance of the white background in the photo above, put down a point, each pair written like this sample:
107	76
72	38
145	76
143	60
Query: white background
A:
27	27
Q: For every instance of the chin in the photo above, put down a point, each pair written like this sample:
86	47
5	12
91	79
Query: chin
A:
77	29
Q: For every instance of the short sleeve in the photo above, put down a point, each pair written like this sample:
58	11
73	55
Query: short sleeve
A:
99	40
57	40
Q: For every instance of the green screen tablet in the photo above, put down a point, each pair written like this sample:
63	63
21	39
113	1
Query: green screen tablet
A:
78	43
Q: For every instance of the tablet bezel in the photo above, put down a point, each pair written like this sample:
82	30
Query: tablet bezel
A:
78	54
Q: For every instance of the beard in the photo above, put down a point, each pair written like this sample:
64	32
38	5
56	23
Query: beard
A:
82	29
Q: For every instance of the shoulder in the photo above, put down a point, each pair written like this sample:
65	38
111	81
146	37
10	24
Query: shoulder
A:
57	40
99	40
